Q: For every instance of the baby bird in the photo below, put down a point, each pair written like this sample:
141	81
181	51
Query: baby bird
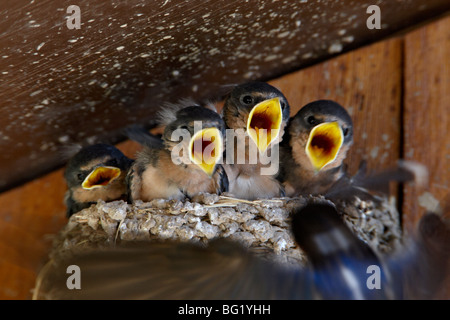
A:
316	144
95	173
186	163
257	112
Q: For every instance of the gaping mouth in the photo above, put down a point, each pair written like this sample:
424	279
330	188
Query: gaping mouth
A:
264	121
100	177
206	149
324	143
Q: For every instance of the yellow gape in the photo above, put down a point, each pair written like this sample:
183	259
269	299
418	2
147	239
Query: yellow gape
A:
324	143
206	149
100	177
264	121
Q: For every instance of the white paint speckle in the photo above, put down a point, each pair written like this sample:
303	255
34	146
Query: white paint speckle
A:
40	46
124	25
335	48
213	51
374	152
35	93
429	202
120	48
289	59
144	55
63	139
271	57
72	40
348	39
283	34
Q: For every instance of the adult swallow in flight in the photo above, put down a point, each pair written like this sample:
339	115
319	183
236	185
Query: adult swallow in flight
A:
340	266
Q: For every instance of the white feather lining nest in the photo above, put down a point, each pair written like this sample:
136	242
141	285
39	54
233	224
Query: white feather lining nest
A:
261	225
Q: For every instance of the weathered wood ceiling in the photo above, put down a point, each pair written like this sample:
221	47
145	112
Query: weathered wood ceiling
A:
61	86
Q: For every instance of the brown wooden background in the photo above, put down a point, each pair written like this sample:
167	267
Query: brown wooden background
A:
397	92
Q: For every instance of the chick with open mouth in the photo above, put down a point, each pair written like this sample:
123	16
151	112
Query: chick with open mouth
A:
319	137
187	161
257	113
95	172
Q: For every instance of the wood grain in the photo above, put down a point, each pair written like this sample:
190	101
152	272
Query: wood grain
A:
427	116
427	122
29	215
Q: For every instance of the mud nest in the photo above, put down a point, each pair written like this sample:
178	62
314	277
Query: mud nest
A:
261	225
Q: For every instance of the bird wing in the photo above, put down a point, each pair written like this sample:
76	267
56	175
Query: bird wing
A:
361	183
223	270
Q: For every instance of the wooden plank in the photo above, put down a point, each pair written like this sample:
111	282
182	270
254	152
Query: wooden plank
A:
28	215
427	119
353	80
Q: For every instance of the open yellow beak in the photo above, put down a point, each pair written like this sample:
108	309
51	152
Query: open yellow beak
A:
206	149
264	121
100	177
324	143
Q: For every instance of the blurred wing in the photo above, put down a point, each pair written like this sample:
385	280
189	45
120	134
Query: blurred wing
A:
340	259
223	270
420	270
361	183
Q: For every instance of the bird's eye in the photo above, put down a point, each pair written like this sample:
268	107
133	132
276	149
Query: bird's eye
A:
312	120
80	176
247	99
283	105
346	131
